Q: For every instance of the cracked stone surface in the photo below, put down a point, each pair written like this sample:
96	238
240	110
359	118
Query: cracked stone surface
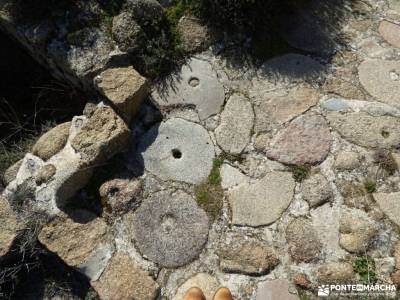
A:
196	84
390	205
280	106
247	256
123	279
304	245
306	140
262	202
124	87
177	150
390	32
366	130
381	78
81	242
233	133
169	228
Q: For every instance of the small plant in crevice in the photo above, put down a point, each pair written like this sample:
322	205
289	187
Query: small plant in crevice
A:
209	195
385	161
364	266
300	172
370	186
215	175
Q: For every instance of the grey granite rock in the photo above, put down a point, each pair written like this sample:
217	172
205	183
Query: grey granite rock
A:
177	150
306	140
233	133
169	228
262	202
196	84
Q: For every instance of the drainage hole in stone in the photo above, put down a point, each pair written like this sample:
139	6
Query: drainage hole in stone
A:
176	153
194	81
385	133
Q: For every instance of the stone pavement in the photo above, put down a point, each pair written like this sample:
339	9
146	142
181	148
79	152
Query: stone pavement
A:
269	179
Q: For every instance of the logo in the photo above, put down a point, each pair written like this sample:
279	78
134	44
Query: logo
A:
388	290
324	290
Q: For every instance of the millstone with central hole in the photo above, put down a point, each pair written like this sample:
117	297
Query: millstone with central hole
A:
169	228
177	150
197	83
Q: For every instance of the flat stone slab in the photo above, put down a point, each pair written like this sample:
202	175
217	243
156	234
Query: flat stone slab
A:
275	289
390	32
249	256
169	228
196	84
291	67
282	105
177	150
207	283
233	133
123	279
366	130
390	205
262	202
307	140
381	78
303	242
231	176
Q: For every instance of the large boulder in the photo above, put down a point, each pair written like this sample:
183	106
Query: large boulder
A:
124	87
8	227
104	135
82	241
52	141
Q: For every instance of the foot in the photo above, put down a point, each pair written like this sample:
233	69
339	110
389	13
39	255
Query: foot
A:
223	294
194	294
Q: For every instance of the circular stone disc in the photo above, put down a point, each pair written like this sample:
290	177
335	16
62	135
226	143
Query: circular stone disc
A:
177	150
197	83
169	228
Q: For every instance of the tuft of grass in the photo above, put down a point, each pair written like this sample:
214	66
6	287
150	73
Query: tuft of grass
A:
300	172
370	186
209	197
365	267
215	175
385	160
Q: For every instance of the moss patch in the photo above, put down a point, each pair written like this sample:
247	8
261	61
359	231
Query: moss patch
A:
370	186
209	195
365	267
301	172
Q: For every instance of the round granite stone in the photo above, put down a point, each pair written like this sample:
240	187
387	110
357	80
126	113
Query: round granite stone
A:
169	228
177	150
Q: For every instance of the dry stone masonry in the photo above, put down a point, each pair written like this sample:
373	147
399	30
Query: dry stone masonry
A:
269	178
